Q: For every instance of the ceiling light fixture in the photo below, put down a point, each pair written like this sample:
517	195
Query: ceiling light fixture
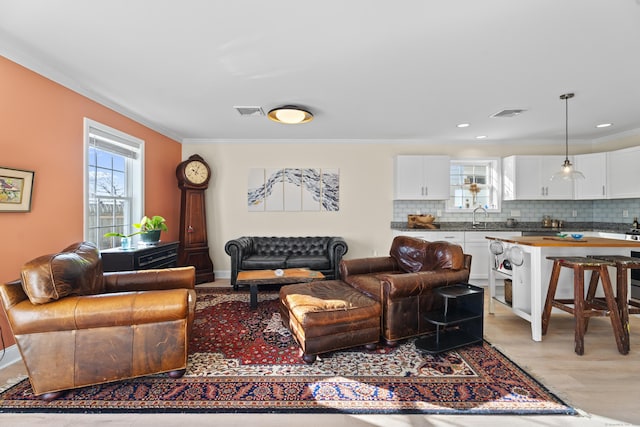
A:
290	114
463	125
481	137
604	125
567	172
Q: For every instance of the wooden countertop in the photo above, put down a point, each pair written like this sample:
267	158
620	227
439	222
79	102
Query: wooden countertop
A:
586	242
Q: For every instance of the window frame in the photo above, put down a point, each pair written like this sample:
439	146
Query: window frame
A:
119	143
495	166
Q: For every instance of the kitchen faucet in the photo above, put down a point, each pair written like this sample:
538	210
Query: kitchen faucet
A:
475	223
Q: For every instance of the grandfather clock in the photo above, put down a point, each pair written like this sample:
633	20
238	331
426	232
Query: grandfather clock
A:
193	179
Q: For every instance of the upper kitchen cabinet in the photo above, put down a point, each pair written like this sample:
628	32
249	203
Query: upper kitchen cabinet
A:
529	178
623	173
421	178
594	168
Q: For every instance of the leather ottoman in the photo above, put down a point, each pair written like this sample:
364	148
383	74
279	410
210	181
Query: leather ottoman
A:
329	315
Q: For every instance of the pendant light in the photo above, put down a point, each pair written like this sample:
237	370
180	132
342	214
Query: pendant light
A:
567	172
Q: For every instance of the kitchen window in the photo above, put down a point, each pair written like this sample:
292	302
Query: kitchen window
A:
474	183
113	183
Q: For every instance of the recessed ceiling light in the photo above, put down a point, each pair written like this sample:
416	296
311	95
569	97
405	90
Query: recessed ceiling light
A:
604	125
481	136
463	125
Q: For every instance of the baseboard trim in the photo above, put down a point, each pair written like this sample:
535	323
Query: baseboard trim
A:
223	274
11	356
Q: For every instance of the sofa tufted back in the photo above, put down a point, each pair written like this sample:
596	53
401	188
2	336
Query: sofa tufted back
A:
296	246
413	254
76	270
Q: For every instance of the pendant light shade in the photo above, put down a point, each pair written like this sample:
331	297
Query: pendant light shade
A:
567	171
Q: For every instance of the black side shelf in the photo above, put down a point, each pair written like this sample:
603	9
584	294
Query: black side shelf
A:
459	323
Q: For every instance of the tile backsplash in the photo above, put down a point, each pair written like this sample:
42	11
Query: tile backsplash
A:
612	211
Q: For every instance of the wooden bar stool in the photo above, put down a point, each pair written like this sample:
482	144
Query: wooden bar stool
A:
625	305
579	306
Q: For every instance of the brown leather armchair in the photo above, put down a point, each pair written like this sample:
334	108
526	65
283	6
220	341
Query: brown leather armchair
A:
75	326
403	282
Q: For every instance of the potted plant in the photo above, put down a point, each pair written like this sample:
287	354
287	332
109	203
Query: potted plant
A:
149	229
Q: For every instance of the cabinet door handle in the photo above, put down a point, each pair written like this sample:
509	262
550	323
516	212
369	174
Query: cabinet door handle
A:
603	193
542	191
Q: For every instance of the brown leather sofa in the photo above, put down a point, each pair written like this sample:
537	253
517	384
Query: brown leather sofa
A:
403	282
75	326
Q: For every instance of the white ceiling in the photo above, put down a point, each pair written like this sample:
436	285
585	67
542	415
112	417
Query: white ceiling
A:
367	69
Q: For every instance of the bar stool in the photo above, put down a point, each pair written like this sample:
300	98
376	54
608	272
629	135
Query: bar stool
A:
625	305
583	308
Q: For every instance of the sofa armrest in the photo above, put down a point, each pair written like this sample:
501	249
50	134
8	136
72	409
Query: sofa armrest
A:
11	293
99	311
336	249
147	280
238	249
411	284
350	267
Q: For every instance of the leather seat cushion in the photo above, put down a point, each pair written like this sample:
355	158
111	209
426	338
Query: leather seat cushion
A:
312	262
76	270
263	262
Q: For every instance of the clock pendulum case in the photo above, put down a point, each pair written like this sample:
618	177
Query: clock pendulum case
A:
193	179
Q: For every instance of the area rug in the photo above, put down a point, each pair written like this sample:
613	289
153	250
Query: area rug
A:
244	360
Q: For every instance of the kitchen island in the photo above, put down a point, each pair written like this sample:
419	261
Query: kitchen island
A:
530	277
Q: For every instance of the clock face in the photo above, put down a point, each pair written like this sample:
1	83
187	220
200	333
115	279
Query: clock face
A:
196	172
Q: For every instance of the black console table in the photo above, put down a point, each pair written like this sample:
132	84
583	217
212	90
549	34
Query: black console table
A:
162	255
459	323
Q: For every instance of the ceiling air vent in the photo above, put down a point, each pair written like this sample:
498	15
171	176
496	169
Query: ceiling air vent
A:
250	111
508	113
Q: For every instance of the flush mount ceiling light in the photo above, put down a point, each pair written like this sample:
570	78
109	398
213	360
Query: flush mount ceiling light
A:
290	114
567	172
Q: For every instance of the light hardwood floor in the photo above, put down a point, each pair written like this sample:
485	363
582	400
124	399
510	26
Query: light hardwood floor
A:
602	384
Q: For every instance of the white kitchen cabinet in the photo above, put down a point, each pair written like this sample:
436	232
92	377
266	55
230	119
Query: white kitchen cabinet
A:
421	178
623	173
594	168
529	178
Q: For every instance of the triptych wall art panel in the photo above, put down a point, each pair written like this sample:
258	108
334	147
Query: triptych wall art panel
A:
291	189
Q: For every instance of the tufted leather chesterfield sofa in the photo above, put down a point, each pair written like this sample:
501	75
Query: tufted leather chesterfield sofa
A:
403	282
269	253
75	326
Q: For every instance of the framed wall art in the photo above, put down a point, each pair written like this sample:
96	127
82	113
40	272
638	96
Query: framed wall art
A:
294	189
15	190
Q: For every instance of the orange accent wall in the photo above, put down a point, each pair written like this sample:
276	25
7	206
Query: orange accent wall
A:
41	129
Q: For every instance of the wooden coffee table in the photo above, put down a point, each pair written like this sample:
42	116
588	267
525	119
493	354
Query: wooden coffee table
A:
254	278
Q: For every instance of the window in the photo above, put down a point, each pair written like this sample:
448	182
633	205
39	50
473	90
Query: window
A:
474	183
113	183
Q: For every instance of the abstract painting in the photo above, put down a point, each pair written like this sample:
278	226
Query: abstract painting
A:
293	189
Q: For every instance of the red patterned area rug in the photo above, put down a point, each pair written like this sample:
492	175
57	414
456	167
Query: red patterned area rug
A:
244	360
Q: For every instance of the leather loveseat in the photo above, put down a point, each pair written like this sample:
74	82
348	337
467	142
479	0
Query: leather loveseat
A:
321	254
75	326
403	282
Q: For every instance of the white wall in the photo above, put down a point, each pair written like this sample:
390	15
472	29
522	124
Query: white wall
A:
366	188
